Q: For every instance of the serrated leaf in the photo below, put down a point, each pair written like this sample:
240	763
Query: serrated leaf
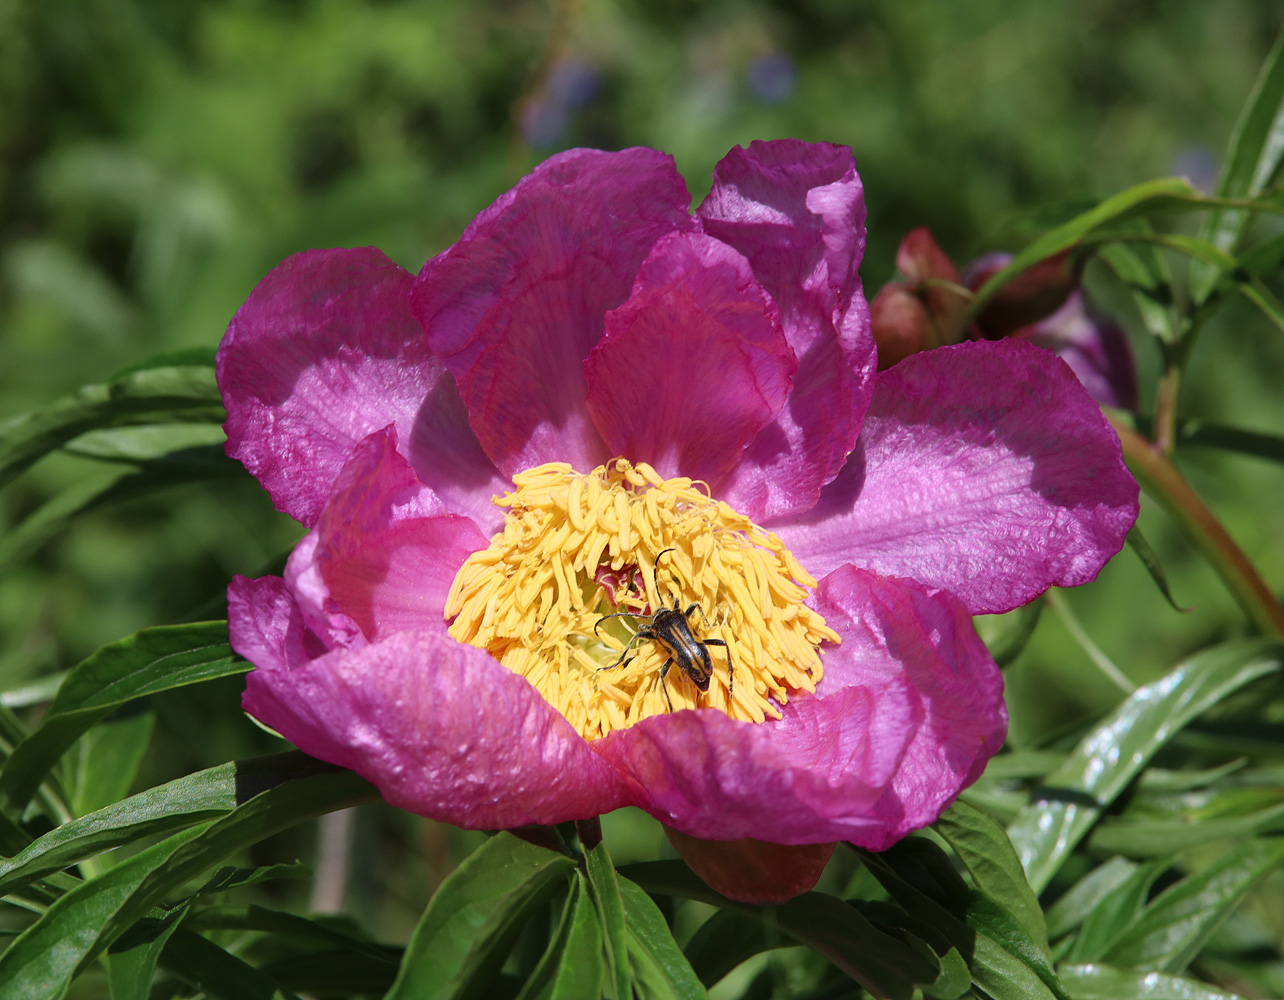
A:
1137	542
150	661
474	916
659	968
885	965
1112	754
196	798
1172	929
168	392
1253	159
89	917
1105	982
605	887
1008	634
215	972
573	965
988	855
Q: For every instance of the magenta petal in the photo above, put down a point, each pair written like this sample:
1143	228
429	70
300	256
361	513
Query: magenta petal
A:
441	729
514	307
693	365
983	468
797	212
812	777
899	628
1094	346
265	625
323	352
384	554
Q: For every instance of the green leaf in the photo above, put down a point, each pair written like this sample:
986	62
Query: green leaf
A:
1115	913
149	442
883	964
1105	982
1253	159
1006	635
183	802
991	920
180	357
132	960
728	938
170	392
1268	446
610	910
1150	196
101	767
1112	754
1073	908
215	972
150	661
1137	542
1174	927
89	917
474	916
229	877
1146	273
983	847
1149	837
573	965
660	970
1004	976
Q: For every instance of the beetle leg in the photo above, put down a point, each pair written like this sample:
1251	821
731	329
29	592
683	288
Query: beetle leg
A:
731	671
617	614
663	671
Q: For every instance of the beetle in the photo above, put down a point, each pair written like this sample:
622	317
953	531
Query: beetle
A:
671	628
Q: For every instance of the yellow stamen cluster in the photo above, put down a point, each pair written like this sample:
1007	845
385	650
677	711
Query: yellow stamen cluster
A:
575	548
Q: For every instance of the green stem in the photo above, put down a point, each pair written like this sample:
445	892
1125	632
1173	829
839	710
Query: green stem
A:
1162	480
1056	600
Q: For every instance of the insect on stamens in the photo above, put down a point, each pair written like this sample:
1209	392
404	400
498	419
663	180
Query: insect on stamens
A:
671	628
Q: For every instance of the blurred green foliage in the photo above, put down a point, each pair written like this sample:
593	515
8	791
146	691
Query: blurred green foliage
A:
156	159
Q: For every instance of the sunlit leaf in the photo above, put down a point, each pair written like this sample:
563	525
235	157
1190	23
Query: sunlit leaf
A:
1111	755
605	888
1114	913
659	968
153	660
1078	902
984	848
474	916
170	393
574	964
1105	982
102	765
1177	922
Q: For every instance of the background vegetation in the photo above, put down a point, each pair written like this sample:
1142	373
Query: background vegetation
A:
156	159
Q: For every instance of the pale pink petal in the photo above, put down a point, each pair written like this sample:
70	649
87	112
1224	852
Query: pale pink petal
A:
982	468
797	212
384	552
898	628
693	365
324	352
515	306
441	729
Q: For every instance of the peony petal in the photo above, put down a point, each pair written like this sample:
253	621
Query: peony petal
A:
514	307
753	871
265	625
892	628
983	468
814	776
1094	346
441	729
693	365
385	554
797	211
323	352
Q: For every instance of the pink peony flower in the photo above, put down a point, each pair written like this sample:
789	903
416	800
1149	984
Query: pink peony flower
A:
596	403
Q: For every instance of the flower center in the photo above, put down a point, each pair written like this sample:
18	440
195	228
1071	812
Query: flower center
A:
596	581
